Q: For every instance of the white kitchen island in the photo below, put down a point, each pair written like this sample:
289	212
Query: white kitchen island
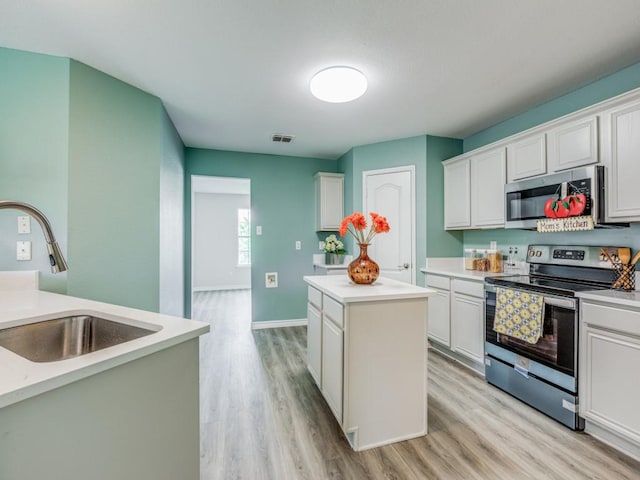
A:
367	352
124	412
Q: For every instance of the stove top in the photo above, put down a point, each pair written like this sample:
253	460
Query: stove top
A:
563	270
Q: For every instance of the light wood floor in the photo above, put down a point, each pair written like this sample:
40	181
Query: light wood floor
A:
263	418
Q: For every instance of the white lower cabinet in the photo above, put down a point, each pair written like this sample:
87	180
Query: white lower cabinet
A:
332	365
439	318
369	360
608	382
467	329
314	342
456	318
439	310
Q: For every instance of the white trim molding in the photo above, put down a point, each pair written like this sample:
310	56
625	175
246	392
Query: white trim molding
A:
294	322
222	287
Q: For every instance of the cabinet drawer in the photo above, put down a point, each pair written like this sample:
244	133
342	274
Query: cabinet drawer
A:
474	289
437	281
315	297
621	319
333	310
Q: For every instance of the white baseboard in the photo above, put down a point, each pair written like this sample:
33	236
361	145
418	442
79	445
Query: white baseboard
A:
294	322
612	439
221	287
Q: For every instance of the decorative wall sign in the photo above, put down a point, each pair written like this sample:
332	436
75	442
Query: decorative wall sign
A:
569	224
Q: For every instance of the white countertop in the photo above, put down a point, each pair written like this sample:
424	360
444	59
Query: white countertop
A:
342	266
21	378
454	267
617	297
345	291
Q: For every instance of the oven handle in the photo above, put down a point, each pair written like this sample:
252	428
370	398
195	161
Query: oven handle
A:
551	300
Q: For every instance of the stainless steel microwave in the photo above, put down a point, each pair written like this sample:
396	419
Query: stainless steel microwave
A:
525	200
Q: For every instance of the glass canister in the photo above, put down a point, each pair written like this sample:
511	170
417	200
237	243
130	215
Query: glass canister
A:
482	262
495	261
469	258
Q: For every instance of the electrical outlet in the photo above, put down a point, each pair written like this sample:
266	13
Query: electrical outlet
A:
298	245
23	251
24	224
271	280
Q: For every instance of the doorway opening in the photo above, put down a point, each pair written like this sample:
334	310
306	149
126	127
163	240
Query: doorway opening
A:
221	248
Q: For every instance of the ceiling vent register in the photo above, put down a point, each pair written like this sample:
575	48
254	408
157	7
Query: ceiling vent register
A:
281	138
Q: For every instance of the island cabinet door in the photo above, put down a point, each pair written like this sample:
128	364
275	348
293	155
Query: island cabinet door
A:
332	365
314	343
439	320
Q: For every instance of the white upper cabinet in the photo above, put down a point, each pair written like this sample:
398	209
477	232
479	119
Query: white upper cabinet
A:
474	190
526	157
488	176
573	144
621	154
329	201
457	194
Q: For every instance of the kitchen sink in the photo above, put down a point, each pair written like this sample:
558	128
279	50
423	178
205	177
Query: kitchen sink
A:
67	337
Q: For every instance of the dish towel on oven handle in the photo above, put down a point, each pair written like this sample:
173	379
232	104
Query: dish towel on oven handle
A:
519	314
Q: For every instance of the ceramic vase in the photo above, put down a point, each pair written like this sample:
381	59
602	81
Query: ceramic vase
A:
363	270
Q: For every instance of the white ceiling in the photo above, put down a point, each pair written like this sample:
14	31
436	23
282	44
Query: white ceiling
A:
233	72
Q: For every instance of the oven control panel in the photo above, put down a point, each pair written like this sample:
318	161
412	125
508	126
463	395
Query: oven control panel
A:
568	254
573	255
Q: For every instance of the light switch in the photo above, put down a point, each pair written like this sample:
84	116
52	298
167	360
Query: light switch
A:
298	245
24	224
320	245
259	230
23	251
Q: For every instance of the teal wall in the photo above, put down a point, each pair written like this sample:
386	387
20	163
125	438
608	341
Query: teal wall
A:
115	150
104	163
345	165
171	220
34	98
439	242
283	203
607	87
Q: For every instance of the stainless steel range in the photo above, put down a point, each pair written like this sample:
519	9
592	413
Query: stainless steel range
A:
542	370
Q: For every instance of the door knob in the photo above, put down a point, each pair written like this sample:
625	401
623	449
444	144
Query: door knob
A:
404	265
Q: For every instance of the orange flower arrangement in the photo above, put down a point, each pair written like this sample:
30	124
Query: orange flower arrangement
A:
356	223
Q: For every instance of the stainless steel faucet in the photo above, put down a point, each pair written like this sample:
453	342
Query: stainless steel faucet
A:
56	259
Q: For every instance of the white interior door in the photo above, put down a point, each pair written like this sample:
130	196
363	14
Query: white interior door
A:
390	192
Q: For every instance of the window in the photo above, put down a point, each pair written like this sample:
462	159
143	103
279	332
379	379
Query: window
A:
244	236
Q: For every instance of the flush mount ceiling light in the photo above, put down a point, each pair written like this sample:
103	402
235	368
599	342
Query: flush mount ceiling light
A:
338	84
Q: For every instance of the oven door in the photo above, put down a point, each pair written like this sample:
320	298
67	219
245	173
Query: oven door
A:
554	356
